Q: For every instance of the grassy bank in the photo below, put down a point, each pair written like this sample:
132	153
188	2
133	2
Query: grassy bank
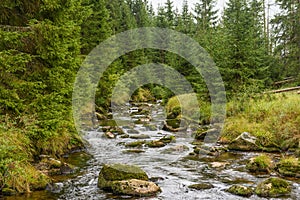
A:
19	152
273	119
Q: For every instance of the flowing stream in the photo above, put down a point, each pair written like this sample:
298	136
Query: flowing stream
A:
170	167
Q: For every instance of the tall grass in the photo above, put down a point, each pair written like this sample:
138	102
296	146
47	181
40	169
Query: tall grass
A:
273	119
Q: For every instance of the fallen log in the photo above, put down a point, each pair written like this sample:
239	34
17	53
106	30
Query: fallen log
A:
283	90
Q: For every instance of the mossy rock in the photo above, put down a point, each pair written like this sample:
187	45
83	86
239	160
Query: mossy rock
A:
135	144
174	123
260	164
201	186
273	187
119	172
168	139
240	190
139	136
155	144
289	167
150	127
135	187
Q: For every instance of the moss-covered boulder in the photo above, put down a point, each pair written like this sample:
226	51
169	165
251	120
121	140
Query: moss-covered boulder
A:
289	167
240	190
126	180
273	187
260	164
201	186
135	187
119	172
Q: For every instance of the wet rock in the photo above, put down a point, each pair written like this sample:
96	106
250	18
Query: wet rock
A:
139	136
124	136
155	144
201	186
109	135
135	144
244	142
200	134
289	167
168	139
219	164
126	179
273	187
135	187
177	148
55	187
132	131
52	166
240	190
260	164
150	127
134	151
174	125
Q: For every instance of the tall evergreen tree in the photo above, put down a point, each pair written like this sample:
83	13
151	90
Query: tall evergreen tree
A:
287	36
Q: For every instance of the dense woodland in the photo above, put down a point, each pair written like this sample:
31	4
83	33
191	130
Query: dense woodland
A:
43	44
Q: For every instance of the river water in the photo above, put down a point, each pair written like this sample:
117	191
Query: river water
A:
170	167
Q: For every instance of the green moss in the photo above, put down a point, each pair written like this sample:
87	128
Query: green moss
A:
116	172
135	144
261	163
273	187
155	144
240	190
289	167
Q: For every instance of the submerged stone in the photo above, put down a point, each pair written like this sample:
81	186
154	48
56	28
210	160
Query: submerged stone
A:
155	144
273	187
201	186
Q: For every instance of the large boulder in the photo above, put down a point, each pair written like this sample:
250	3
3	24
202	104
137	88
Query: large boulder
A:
244	142
126	179
273	187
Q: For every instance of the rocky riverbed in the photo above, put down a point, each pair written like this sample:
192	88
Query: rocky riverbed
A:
182	167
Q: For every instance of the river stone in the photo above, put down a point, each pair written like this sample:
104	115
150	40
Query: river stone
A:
135	144
240	190
155	144
135	187
273	187
109	135
119	172
139	136
244	142
201	186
